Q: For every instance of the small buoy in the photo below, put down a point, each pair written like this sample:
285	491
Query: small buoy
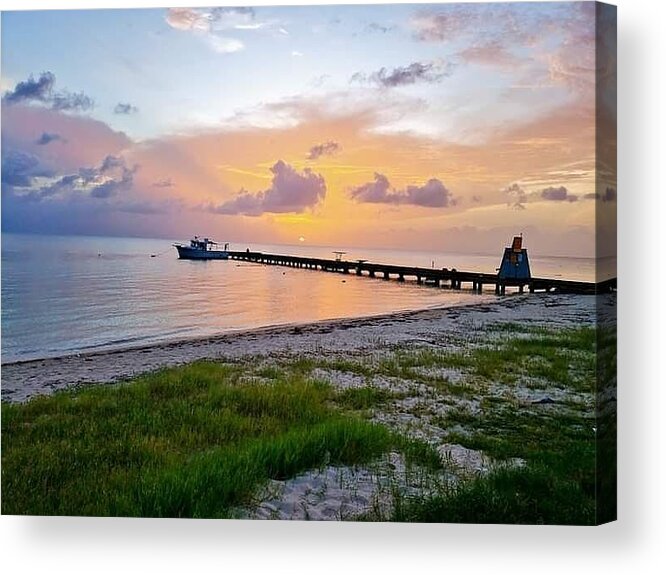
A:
344	281
152	255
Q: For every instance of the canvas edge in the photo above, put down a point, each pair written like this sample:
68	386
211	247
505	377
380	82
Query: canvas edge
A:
606	252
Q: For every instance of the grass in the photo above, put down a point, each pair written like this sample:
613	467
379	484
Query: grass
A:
559	482
531	495
362	398
198	440
565	358
184	442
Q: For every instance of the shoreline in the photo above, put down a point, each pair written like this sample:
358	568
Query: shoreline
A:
25	379
106	349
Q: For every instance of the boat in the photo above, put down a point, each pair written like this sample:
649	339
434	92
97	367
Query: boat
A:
201	249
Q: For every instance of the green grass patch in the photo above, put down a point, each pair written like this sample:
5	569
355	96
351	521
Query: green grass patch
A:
564	357
186	442
362	398
518	496
350	366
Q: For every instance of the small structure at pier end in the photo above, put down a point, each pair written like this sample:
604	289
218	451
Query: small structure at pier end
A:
515	263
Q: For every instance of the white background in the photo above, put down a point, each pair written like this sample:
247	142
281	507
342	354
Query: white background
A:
633	544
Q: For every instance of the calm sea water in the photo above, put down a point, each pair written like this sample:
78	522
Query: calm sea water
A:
65	294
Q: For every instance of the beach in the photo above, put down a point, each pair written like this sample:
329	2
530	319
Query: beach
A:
326	339
393	417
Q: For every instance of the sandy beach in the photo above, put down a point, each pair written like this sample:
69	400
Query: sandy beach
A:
384	360
432	327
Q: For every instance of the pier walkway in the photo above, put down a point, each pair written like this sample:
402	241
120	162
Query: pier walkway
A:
438	277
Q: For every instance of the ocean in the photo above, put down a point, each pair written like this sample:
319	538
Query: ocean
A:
70	294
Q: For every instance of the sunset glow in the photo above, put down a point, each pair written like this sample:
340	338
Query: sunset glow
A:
441	127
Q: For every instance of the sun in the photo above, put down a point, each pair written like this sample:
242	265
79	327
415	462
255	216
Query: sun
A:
301	239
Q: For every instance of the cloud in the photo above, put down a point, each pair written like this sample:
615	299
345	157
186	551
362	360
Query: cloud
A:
81	214
19	169
560	194
450	23
373	192
440	27
103	181
188	19
403	76
290	191
379	28
245	203
433	194
577	62
66	102
42	91
212	19
516	196
296	54
223	45
46	138
32	90
560	39
125	108
609	195
326	149
165	183
489	53
213	24
88	140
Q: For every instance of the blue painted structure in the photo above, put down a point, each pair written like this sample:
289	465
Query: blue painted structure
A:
515	263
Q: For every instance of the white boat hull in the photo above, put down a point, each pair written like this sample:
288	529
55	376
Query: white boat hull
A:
187	253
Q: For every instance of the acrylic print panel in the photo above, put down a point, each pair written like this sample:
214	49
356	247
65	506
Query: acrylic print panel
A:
326	262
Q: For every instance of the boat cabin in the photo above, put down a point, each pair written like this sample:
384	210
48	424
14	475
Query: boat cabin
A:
199	244
515	264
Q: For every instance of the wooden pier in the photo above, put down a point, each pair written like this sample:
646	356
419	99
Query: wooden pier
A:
442	277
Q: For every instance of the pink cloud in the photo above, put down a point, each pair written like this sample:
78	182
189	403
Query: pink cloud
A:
492	53
432	194
84	141
290	191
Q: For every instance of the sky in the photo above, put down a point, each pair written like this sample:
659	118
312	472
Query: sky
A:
442	127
